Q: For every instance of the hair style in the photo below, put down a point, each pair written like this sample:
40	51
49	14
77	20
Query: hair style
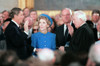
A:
46	55
43	17
15	11
5	11
33	10
9	58
67	9
80	14
25	8
96	11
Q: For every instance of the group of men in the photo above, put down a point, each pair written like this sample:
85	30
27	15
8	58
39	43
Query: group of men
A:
74	35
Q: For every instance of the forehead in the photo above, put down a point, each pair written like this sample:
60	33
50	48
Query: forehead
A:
5	12
65	11
28	18
33	12
21	12
42	20
26	9
95	14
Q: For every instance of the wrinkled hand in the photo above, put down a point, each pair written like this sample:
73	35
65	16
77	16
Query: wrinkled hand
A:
61	48
26	26
70	29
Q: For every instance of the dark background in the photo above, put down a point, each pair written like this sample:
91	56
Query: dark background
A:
73	4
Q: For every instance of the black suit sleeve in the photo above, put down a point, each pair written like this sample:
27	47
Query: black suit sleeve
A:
17	36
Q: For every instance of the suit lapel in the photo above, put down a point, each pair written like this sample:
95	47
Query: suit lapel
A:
62	30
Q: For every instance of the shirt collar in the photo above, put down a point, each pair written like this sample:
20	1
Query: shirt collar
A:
65	24
15	23
95	23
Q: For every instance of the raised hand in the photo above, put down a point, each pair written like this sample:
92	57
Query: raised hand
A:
26	26
70	29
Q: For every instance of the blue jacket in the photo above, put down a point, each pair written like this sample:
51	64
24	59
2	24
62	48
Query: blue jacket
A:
40	40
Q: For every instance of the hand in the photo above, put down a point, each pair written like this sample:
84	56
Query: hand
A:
61	48
26	26
90	63
70	29
38	50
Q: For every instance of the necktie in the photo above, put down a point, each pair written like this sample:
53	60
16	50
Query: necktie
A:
66	34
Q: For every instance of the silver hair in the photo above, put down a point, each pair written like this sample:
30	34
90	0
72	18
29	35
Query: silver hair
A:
46	55
69	10
80	14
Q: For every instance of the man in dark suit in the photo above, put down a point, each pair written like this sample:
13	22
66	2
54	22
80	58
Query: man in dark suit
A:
94	22
95	19
83	37
65	31
15	38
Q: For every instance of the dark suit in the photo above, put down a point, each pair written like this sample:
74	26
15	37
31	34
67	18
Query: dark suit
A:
15	39
29	47
2	40
90	23
81	40
61	39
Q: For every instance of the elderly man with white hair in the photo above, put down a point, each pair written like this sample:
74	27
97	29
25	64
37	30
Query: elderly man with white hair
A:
83	37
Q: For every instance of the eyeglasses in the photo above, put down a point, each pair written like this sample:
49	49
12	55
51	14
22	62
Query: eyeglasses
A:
35	29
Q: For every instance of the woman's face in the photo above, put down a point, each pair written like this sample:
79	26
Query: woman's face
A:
43	24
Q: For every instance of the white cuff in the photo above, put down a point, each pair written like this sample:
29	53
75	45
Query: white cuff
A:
34	49
26	32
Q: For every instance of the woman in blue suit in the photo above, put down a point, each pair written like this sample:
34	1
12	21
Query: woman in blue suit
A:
43	38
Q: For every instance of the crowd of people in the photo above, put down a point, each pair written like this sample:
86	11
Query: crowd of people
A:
67	39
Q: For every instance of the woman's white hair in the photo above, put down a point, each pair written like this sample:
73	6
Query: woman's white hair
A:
80	15
46	55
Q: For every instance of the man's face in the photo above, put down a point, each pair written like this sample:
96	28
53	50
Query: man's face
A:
76	21
33	15
30	24
5	15
66	16
26	12
95	17
20	17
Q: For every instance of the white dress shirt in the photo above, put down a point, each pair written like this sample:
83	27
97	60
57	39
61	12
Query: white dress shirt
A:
18	25
65	27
